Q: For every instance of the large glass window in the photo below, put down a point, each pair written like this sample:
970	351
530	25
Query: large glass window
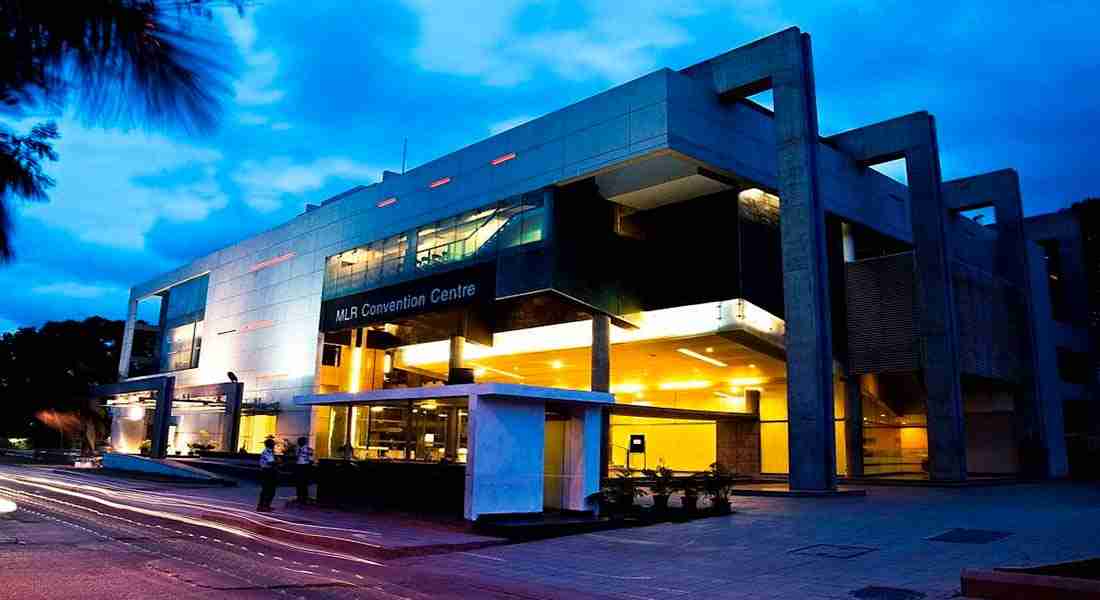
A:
512	222
181	346
427	431
365	266
183	308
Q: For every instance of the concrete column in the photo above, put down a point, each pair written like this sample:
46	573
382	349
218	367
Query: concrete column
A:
127	339
451	449
1038	405
458	349
1046	366
783	63
582	469
853	425
162	417
938	312
913	137
504	468
233	396
601	353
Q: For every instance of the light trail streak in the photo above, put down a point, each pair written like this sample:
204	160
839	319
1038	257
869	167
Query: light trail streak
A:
55	487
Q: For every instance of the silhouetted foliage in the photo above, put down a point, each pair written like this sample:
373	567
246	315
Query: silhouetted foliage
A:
53	367
129	62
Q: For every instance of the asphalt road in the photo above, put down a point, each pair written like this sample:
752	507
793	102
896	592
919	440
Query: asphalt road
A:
59	544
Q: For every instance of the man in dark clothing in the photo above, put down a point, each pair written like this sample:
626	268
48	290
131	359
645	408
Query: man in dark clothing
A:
269	476
303	469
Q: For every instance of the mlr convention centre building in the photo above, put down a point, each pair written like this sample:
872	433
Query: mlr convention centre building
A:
665	272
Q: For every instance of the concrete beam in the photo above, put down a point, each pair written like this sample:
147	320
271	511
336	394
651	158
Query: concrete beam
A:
913	137
783	63
601	353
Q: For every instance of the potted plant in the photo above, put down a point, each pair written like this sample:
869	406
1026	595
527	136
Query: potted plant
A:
718	482
662	478
690	500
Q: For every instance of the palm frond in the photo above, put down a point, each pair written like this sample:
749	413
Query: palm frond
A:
21	173
121	62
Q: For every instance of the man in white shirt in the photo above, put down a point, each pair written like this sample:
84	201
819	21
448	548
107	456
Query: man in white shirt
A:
269	476
303	469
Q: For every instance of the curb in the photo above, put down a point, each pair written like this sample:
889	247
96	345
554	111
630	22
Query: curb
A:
343	544
1001	585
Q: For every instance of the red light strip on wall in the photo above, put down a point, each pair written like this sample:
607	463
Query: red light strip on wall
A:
254	325
503	158
271	262
387	202
439	182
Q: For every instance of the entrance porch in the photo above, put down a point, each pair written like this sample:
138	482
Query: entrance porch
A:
507	466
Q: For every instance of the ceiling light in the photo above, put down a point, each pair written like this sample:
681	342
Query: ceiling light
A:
627	388
387	202
483	369
710	350
695	384
557	364
439	182
701	357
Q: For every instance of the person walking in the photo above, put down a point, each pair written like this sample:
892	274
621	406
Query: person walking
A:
269	476
303	470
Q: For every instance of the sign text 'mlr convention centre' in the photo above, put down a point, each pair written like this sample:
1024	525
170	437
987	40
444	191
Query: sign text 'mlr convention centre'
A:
436	296
446	290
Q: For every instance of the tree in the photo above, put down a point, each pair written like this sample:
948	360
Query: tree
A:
111	61
52	368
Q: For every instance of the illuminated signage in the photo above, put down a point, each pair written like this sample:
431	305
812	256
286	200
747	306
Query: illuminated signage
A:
444	291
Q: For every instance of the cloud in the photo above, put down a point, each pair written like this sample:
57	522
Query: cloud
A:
113	186
264	183
505	125
251	118
256	86
73	289
612	42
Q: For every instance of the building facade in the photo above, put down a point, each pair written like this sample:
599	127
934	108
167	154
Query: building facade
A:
662	273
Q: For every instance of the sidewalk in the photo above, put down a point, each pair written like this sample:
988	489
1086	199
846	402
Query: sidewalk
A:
369	534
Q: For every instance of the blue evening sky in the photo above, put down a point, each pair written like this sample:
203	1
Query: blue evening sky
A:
327	91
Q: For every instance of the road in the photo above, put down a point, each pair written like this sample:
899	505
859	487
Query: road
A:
64	542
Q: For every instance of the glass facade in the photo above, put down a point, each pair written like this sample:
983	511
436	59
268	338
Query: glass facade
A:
473	234
366	266
183	308
425	431
181	347
511	222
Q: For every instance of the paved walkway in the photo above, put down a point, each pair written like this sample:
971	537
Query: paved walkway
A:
773	547
767	549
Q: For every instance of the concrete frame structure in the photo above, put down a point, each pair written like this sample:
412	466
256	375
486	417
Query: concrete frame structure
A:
783	63
641	145
165	389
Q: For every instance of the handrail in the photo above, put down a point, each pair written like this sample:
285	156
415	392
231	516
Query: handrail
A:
433	259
